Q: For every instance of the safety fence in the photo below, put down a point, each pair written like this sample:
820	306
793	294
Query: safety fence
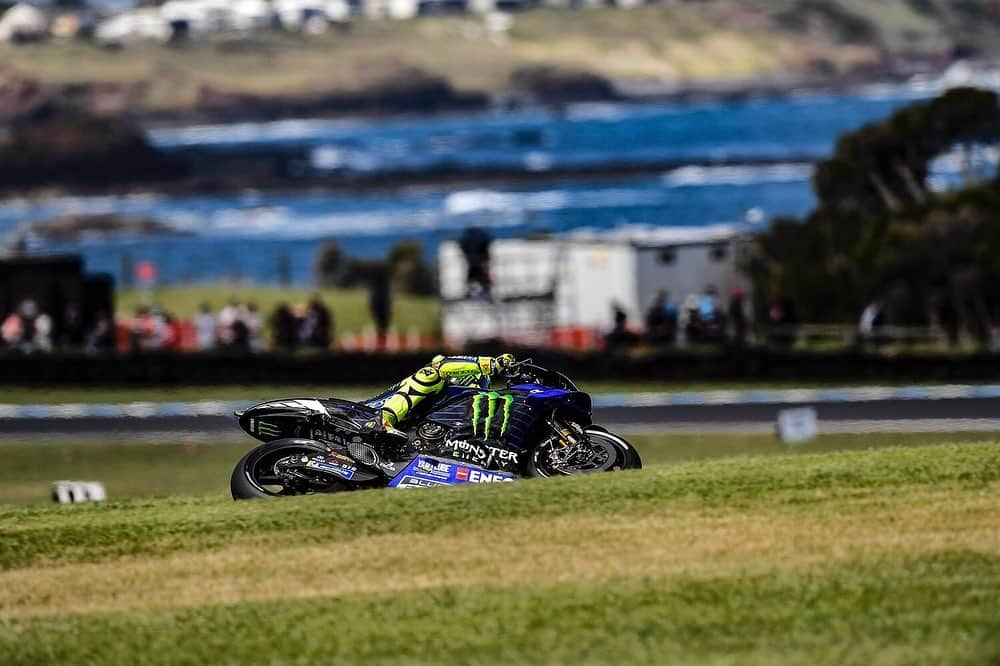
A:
798	396
325	367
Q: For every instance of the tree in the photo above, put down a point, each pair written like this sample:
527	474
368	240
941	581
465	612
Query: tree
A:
883	167
879	231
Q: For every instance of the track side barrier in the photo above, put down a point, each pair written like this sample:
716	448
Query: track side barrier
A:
749	365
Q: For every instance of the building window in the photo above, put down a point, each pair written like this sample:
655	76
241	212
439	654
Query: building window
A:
718	252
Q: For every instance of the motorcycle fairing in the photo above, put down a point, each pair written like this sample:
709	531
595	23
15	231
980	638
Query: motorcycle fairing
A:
456	410
537	394
302	417
426	471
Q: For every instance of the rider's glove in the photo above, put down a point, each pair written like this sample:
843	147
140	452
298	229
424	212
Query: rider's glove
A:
502	364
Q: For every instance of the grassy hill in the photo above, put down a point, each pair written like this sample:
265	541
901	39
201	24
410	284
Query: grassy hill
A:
889	556
680	43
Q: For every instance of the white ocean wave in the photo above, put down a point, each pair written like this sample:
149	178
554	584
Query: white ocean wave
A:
238	223
309	215
538	161
922	86
479	202
601	111
249	132
467	202
737	175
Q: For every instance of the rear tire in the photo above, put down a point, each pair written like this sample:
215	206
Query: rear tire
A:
246	480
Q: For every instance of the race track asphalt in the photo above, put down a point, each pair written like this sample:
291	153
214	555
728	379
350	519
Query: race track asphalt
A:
861	416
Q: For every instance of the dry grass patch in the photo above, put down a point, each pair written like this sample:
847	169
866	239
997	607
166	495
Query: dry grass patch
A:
873	557
671	542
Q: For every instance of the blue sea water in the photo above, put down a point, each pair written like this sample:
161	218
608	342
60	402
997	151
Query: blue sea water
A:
245	235
580	135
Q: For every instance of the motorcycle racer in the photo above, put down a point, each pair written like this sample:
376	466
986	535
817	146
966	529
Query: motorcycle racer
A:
429	380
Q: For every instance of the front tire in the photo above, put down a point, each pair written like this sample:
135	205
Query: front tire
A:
256	477
609	452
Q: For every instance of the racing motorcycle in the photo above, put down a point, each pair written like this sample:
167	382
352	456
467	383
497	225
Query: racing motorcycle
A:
539	425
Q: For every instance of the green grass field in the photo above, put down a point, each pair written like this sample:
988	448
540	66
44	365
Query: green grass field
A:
132	470
874	557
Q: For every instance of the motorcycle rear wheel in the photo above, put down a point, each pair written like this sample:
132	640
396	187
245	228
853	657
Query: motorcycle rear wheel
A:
611	452
256	477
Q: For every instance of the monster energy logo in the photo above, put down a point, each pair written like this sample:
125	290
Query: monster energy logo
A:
492	398
267	429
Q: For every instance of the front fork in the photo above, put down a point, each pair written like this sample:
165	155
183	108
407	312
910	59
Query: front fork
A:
565	433
568	440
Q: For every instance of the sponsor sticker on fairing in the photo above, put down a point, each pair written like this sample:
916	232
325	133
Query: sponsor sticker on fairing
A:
438	470
424	471
482	476
346	471
410	481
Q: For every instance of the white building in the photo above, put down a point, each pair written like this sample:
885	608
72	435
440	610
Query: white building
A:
22	22
311	16
135	25
203	17
576	281
400	10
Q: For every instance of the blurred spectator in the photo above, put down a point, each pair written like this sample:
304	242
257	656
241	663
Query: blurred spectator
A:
872	318
706	322
783	320
620	335
169	329
229	316
27	328
72	334
205	327
380	304
738	315
239	335
102	336
254	327
283	328
43	332
317	327
661	320
238	326
948	318
475	245
12	330
709	305
142	332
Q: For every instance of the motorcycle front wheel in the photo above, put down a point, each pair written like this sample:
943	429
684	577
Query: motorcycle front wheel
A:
267	471
602	451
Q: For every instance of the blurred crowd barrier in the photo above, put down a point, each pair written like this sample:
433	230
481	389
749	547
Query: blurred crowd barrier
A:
182	335
750	364
150	331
